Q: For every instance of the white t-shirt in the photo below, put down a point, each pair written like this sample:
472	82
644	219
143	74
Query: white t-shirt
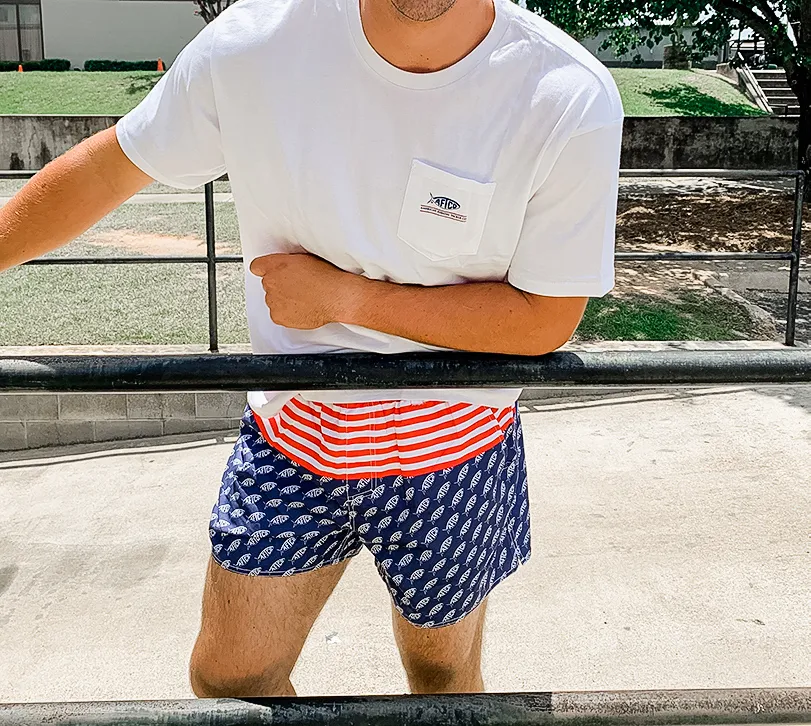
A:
502	167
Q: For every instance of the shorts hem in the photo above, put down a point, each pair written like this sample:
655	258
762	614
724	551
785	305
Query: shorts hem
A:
281	573
522	560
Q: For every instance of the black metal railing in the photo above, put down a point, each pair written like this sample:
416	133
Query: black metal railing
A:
608	708
212	259
218	372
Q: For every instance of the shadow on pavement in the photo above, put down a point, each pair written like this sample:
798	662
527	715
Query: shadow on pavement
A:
104	450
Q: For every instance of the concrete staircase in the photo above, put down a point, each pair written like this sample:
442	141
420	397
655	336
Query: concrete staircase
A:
778	92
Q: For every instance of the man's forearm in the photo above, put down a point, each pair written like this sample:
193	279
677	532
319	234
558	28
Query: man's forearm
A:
488	317
66	198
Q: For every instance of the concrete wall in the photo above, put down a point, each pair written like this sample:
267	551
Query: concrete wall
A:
33	420
29	142
117	29
710	143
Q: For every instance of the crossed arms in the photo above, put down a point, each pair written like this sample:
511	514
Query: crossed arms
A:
302	291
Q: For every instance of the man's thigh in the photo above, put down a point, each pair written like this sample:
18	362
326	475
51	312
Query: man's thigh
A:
253	628
440	659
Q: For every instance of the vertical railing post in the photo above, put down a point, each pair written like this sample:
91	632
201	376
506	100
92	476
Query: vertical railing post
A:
211	265
19	34
796	256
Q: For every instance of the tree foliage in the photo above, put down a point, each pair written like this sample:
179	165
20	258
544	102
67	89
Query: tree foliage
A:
785	26
210	9
580	18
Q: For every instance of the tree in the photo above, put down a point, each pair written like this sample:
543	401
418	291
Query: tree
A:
579	18
785	25
210	9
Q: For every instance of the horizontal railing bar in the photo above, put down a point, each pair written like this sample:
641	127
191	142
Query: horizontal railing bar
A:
712	256
17	174
741	174
133	260
626	256
611	708
752	174
413	370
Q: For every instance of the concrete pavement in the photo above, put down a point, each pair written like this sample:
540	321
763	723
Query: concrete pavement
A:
672	549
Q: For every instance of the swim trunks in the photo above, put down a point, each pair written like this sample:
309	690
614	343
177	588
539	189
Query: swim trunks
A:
442	538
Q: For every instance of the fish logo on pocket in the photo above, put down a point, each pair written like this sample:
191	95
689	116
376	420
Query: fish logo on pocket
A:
443	207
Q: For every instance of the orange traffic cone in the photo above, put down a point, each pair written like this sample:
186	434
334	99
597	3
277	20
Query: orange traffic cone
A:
161	69
20	68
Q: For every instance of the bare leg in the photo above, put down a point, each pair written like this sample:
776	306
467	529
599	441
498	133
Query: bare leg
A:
253	630
442	660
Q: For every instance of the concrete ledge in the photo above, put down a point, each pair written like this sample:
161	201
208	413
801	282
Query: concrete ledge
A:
35	420
653	142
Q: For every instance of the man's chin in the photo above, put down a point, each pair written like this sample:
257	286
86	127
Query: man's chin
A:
422	11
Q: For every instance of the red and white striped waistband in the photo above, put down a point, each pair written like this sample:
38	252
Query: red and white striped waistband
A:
383	438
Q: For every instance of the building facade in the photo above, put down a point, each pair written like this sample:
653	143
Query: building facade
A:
81	30
21	36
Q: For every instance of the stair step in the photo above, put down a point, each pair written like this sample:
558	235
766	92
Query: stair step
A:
769	74
782	100
785	110
773	83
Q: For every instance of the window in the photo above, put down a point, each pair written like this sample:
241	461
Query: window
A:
20	30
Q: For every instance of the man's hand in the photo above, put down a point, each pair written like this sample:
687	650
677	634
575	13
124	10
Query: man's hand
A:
303	291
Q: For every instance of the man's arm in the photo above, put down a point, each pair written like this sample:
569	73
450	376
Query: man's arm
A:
305	292
66	198
485	317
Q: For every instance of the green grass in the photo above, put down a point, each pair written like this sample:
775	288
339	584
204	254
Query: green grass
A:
40	92
127	304
166	304
644	317
652	92
176	220
118	304
644	93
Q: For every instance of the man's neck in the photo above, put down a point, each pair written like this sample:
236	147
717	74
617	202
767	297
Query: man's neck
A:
424	47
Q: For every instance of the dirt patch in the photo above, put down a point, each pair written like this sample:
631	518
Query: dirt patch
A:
712	219
748	221
653	278
148	244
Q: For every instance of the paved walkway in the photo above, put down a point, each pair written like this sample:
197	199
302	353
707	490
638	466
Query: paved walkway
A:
672	538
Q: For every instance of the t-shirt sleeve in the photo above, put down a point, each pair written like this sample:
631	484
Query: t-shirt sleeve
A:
173	135
566	247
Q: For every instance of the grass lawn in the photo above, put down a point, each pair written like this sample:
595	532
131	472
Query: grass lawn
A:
645	317
644	93
109	304
41	92
166	304
652	92
112	304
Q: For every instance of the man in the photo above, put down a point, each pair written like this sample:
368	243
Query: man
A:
409	175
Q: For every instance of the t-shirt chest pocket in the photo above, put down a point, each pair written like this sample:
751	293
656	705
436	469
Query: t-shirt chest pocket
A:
443	215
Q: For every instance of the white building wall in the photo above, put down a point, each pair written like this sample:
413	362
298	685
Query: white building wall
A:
80	30
653	55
